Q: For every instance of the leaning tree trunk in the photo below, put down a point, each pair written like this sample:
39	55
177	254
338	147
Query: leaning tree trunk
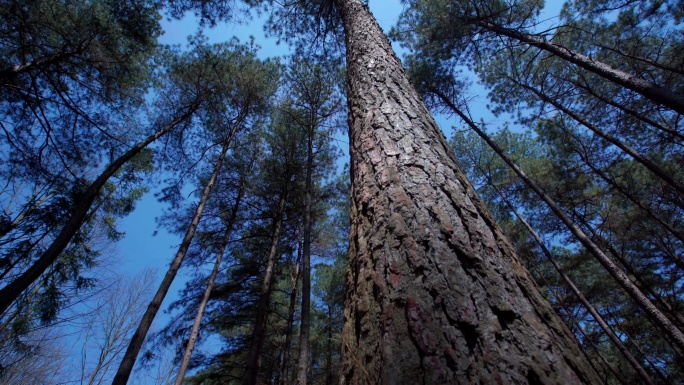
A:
11	292
259	333
568	281
641	86
436	293
194	333
128	361
649	164
656	315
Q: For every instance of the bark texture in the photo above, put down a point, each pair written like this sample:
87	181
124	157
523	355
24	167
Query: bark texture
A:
436	293
305	324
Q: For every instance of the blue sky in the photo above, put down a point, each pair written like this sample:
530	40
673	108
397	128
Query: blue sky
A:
386	13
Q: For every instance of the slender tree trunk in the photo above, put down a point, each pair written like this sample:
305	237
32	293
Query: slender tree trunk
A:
329	356
620	277
10	292
638	279
603	175
283	379
597	317
11	72
572	322
135	345
210	284
305	325
436	293
628	111
641	86
650	165
258	335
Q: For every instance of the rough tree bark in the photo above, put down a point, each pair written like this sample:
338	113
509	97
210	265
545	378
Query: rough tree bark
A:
436	293
259	333
9	293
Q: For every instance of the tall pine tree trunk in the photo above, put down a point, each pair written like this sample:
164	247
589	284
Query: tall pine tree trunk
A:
128	361
285	368
259	333
436	293
9	293
305	325
194	333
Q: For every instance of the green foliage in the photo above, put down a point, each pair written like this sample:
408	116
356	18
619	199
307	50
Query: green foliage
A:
104	44
313	28
72	81
449	29
231	86
603	212
271	161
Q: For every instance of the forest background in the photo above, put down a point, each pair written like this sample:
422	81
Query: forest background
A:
653	255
